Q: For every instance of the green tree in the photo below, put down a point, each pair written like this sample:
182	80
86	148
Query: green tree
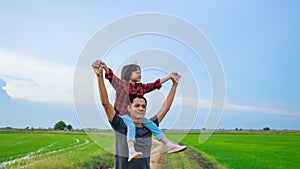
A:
69	127
60	125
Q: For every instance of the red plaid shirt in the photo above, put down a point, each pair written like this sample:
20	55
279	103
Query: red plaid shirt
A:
124	88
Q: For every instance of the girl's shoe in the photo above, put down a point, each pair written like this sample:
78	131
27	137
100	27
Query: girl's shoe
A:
134	156
175	148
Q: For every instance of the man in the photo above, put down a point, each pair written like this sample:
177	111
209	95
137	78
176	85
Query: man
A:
137	110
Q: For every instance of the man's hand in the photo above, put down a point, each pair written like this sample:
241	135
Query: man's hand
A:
169	99
98	68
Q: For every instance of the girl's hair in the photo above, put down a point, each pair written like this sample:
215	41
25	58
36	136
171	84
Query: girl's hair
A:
127	71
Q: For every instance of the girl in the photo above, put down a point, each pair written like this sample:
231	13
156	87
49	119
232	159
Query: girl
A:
129	84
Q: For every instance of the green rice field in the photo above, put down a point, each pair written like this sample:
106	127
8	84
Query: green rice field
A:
221	150
249	150
51	150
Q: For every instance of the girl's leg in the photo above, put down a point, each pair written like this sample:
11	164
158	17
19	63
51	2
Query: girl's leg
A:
130	128
172	148
133	155
154	129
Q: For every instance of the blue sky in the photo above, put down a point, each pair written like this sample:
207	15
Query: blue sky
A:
257	43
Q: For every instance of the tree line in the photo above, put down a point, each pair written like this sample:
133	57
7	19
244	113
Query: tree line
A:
61	125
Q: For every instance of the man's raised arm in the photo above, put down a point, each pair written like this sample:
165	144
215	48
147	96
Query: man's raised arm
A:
109	110
169	100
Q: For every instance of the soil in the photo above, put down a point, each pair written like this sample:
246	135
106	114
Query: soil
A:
156	161
201	161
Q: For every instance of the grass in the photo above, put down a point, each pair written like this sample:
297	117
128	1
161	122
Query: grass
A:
179	161
223	150
52	150
259	151
15	145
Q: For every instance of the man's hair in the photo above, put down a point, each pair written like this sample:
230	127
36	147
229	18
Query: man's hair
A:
127	71
132	97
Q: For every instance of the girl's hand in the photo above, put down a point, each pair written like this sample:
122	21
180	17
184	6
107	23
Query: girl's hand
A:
175	77
104	66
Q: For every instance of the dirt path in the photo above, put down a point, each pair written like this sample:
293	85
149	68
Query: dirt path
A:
157	155
156	159
201	161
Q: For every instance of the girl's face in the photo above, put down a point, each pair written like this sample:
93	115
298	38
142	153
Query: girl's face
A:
136	76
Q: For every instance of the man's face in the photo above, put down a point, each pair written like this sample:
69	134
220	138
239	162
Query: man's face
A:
137	109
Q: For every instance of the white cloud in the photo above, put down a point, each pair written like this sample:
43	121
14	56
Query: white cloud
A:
35	79
244	108
205	104
188	101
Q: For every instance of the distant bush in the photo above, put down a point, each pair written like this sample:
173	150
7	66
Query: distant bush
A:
266	128
69	127
60	125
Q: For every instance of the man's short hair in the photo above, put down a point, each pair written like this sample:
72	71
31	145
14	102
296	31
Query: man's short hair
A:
132	97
